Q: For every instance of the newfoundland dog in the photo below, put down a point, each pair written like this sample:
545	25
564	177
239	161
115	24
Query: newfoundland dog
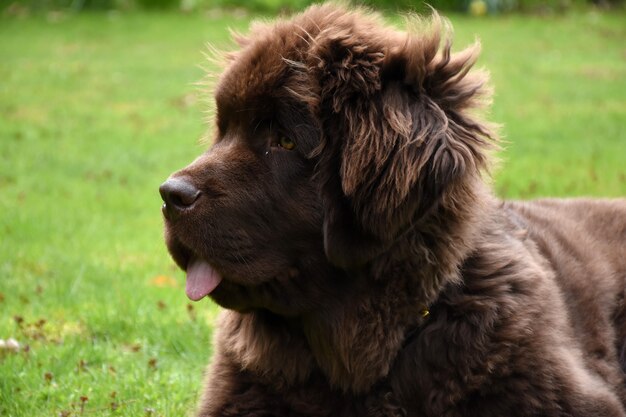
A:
343	220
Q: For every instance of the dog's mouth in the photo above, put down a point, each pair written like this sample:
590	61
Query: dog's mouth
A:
202	279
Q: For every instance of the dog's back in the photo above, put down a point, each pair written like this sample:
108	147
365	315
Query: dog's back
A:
584	242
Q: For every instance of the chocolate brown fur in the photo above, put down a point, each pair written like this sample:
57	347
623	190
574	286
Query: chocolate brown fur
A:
331	252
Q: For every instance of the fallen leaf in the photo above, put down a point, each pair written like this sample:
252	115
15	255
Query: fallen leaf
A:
191	311
162	281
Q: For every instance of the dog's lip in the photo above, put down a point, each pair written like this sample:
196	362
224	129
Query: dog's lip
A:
180	254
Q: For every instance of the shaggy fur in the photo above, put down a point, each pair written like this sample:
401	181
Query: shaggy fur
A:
328	253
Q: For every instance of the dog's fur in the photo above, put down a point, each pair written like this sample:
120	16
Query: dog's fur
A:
332	253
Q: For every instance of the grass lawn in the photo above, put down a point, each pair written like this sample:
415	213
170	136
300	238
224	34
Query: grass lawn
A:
96	110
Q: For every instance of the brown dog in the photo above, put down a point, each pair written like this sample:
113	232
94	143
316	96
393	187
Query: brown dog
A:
366	269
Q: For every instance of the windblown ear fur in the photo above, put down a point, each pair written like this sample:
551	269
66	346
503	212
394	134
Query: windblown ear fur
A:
397	129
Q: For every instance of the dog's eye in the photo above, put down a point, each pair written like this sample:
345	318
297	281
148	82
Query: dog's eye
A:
286	143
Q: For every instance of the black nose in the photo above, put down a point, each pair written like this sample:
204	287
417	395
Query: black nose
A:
178	194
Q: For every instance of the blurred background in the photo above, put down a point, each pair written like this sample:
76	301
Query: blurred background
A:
100	100
276	6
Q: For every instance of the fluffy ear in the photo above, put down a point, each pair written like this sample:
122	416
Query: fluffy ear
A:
396	132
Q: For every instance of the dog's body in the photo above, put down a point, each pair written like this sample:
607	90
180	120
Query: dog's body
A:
535	329
342	219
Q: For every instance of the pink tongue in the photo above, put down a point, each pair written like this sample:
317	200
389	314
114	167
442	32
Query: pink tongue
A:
201	279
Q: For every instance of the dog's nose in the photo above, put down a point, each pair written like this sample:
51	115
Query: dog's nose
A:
177	194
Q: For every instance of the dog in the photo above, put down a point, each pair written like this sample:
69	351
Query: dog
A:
344	219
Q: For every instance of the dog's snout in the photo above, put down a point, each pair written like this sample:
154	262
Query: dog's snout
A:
178	194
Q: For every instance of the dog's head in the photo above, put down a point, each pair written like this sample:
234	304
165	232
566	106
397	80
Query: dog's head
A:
335	135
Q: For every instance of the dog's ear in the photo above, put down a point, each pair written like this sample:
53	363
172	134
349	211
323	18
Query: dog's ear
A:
396	133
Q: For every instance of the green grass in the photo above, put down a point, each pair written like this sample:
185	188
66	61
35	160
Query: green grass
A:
97	110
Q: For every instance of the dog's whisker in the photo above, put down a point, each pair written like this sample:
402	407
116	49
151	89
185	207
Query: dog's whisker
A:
300	96
312	21
247	109
311	37
294	64
256	126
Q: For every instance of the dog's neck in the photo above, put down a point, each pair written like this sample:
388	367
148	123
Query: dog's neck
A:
356	336
356	339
